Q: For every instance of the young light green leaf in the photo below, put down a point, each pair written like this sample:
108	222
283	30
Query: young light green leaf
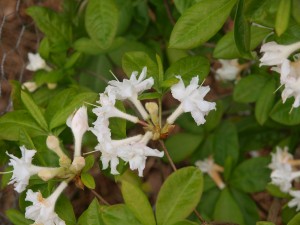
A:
181	145
88	180
91	216
227	209
295	220
138	203
199	23
265	102
258	175
64	209
242	30
226	48
249	88
282	113
185	222
17	217
89	163
179	195
296	10
181	6
119	214
101	22
34	110
283	16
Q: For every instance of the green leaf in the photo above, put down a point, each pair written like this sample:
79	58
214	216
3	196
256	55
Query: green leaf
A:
34	110
283	16
214	117
64	209
295	220
118	125
249	88
119	214
185	222
242	30
227	209
89	163
275	191
264	223
199	23
101	22
60	117
138	203
179	195
226	47
53	76
265	102
17	217
282	113
88	180
181	6
258	175
148	96
189	67
91	216
296	10
136	61
181	145
12	122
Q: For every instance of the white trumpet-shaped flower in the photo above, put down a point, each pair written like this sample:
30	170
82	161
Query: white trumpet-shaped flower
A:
280	158
229	70
192	100
22	169
275	54
78	122
42	209
295	200
137	153
130	89
283	177
36	62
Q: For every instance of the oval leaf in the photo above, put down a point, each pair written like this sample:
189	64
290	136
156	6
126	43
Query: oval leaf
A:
199	23
282	113
179	195
283	16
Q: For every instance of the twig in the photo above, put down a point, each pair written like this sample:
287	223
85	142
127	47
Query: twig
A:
100	197
175	169
169	12
274	210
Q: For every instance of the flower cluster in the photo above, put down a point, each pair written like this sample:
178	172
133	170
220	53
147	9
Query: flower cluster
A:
42	209
283	173
277	56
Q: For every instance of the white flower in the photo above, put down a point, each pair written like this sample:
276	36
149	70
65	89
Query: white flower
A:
295	201
275	54
31	86
283	177
23	169
36	62
229	71
108	109
136	153
280	158
191	98
130	89
208	166
42	209
78	122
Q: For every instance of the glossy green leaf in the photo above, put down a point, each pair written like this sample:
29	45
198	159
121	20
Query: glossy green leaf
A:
181	145
265	102
199	23
12	122
119	214
60	117
258	175
17	217
188	67
283	16
88	180
182	5
179	195
295	220
136	61
64	209
34	110
264	223
283	113
91	216
138	203
185	222
227	209
101	22
89	163
242	30
118	125
148	96
296	10
249	88
226	48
